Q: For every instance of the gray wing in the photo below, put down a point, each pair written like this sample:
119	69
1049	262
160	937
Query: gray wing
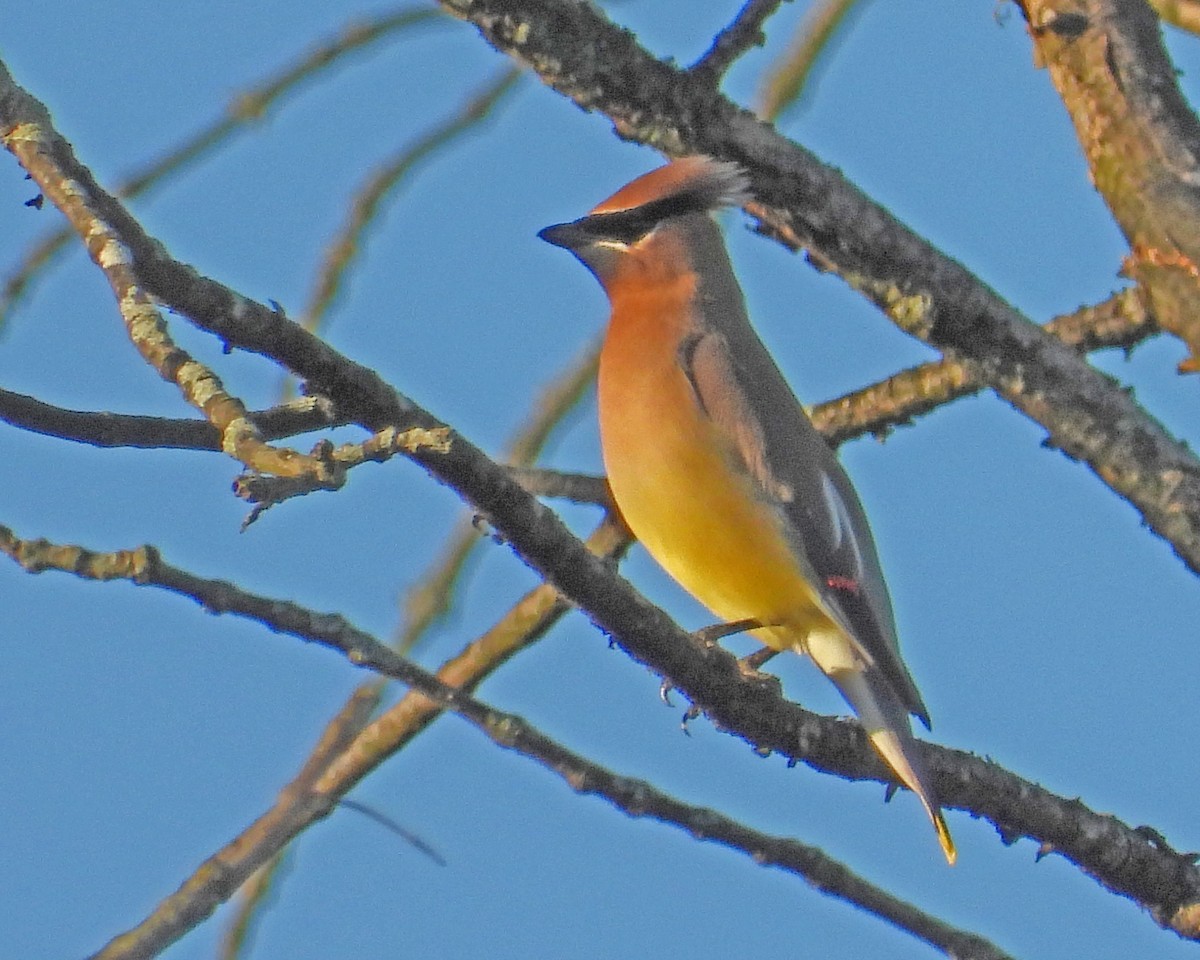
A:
795	469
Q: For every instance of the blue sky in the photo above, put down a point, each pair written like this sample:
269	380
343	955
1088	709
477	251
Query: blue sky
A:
1046	628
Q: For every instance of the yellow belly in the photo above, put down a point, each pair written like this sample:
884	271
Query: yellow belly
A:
700	515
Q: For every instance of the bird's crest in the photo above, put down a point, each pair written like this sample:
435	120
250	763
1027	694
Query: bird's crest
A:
689	185
686	186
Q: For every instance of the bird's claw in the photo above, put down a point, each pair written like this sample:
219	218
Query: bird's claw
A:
690	714
664	692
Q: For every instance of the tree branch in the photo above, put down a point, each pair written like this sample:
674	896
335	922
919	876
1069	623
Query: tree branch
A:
309	798
744	32
1120	321
101	429
246	108
787	78
1141	140
341	251
1135	863
26	131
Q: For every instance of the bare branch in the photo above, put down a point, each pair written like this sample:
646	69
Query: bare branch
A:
786	80
577	487
265	492
245	109
27	132
1121	321
1135	863
744	32
342	249
309	798
100	429
1141	139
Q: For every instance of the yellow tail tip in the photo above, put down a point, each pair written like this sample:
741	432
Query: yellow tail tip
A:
944	838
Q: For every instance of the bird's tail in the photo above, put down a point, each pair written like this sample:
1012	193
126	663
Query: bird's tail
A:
887	726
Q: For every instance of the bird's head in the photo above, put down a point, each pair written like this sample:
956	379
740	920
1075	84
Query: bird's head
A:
654	223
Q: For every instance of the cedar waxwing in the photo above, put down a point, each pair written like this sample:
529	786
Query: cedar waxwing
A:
714	464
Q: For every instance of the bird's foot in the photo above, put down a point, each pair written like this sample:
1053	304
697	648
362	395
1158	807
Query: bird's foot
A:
719	631
707	636
749	666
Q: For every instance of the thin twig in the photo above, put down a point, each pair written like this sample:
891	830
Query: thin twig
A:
342	249
391	824
266	491
101	429
787	79
429	599
245	109
339	733
742	33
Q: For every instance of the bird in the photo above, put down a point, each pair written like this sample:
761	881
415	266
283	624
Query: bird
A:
715	466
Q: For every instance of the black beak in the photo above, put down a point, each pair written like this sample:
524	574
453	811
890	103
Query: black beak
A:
569	236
